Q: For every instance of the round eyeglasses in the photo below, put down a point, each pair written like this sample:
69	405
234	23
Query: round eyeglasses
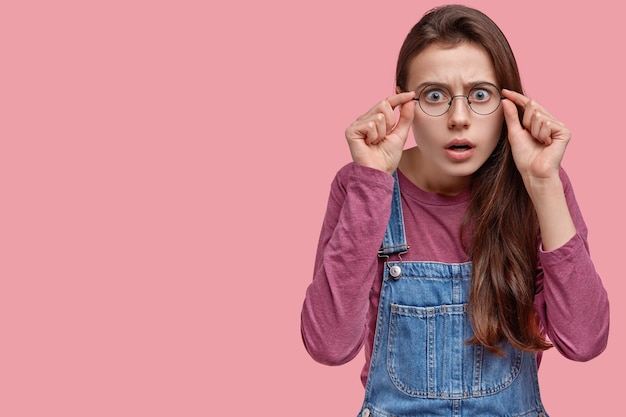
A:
435	100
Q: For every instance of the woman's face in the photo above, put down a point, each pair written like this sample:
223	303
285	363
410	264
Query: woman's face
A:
452	146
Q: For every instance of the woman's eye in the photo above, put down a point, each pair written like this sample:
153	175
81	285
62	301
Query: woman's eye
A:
435	96
480	94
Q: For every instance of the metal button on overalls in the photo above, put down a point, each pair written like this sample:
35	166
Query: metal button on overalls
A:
395	272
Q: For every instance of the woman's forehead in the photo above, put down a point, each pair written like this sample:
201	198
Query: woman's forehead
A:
461	65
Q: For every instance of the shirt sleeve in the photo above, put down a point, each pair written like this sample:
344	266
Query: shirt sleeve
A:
334	313
570	300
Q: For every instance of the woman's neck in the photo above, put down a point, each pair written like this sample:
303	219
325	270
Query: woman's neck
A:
426	177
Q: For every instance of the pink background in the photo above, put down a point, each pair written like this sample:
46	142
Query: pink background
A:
164	169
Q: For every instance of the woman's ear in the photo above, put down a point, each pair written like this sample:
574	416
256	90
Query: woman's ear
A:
398	89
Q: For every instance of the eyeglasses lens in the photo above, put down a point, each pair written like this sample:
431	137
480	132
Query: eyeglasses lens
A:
436	100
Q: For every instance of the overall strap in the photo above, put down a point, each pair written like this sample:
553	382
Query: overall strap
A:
394	241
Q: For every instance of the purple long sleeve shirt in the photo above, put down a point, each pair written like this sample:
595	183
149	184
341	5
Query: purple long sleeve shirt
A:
339	311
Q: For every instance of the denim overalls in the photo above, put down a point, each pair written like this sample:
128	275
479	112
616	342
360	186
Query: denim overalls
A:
421	365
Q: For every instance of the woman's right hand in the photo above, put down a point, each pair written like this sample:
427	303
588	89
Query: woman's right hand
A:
375	139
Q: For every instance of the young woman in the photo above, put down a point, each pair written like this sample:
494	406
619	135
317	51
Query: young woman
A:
458	261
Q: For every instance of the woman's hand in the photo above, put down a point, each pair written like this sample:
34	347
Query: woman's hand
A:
538	145
375	139
539	142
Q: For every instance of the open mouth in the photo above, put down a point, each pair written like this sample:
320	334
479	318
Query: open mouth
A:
459	148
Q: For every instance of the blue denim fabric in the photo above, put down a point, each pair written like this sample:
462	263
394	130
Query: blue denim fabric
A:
421	365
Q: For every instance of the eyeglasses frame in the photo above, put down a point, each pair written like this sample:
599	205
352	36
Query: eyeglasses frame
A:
452	97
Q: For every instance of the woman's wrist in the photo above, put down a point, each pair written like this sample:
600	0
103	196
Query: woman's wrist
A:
555	221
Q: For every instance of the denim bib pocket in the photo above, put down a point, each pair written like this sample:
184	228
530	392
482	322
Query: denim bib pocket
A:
427	356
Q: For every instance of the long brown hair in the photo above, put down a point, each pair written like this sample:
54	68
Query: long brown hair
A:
503	222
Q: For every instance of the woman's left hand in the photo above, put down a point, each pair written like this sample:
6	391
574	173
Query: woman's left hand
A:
539	141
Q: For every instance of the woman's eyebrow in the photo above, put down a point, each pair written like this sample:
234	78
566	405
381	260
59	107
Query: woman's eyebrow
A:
467	85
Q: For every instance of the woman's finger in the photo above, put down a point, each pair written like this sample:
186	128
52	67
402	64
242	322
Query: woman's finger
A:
511	117
540	123
517	98
389	104
383	116
362	130
545	132
534	123
407	112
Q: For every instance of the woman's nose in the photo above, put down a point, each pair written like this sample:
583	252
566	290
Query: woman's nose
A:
460	112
